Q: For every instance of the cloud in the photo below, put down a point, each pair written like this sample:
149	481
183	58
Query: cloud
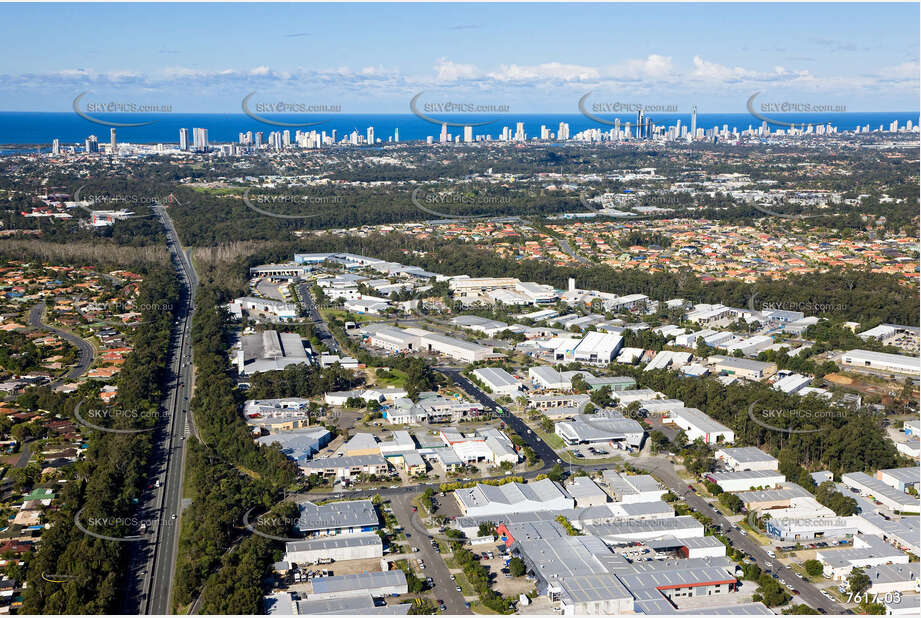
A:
297	34
465	27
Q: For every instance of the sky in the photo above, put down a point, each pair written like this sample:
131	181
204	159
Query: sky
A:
373	58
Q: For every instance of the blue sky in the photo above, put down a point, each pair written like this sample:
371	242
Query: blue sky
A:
530	57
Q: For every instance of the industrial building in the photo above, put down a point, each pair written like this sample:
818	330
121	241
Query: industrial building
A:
696	425
868	551
882	362
269	351
741	367
498	381
335	518
607	427
890	497
298	444
586	492
744	480
344	468
597	348
339	548
746	458
376	583
263	308
496	500
638	488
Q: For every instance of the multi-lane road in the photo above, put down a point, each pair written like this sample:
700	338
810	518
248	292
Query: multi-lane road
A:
323	333
153	560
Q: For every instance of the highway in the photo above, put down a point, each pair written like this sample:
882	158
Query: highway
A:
153	561
86	350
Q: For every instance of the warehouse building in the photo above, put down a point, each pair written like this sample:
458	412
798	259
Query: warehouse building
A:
880	361
344	468
298	444
334	518
597	348
900	478
745	480
746	458
601	428
496	500
546	377
621	532
263	308
338	549
868	551
586	492
628	489
269	351
890	497
696	424
498	381
741	367
376	583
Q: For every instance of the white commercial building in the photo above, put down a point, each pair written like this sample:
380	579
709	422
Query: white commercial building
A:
880	361
747	479
338	548
696	424
746	458
498	380
495	500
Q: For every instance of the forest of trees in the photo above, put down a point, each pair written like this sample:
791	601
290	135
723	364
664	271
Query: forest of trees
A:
107	479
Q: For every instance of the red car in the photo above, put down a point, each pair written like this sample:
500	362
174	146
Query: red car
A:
415	509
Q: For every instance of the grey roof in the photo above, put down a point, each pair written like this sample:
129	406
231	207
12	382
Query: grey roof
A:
741	363
510	493
747	454
742	609
742	475
876	548
880	490
359	581
905	475
700	420
565	556
661	526
593	587
583	486
348	513
323	463
495	376
787	492
336	542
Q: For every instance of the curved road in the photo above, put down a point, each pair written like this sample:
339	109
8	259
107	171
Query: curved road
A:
87	353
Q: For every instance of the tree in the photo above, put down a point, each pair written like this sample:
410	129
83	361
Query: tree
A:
800	609
556	473
858	581
516	567
487	528
731	502
813	568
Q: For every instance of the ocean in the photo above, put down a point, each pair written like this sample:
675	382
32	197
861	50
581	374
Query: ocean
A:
42	127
